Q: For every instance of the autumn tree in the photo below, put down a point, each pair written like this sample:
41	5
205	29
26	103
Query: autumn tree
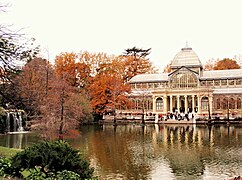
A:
136	62
65	65
83	75
108	92
50	98
65	108
66	99
30	86
94	61
226	63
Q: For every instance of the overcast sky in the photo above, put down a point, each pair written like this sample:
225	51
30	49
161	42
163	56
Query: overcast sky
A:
213	28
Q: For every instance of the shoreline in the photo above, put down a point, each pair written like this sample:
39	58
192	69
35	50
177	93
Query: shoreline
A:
172	121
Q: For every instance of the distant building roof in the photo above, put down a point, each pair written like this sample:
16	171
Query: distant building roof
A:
216	74
149	78
222	74
188	58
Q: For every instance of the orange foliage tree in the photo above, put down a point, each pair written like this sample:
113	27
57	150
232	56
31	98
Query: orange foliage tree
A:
65	65
77	70
94	61
108	92
107	88
226	63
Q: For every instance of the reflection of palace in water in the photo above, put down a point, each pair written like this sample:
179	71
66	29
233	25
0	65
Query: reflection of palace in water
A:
199	136
188	88
193	150
159	151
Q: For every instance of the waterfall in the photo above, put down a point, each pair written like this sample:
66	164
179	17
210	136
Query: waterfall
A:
20	128
14	121
8	122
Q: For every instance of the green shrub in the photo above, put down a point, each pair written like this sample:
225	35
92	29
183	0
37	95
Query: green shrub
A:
36	174
67	175
50	158
6	169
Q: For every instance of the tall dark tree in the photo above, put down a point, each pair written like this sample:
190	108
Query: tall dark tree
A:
136	62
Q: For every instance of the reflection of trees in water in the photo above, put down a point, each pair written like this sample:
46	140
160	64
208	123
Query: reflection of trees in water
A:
133	151
113	149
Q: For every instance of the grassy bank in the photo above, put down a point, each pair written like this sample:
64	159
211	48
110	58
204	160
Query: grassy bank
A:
8	152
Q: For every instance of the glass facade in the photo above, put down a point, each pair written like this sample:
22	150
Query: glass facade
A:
184	79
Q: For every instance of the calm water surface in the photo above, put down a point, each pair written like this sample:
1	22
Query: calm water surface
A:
156	151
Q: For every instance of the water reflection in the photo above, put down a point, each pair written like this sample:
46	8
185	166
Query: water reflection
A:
163	152
19	141
158	151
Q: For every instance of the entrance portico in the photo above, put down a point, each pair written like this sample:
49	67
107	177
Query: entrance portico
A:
176	103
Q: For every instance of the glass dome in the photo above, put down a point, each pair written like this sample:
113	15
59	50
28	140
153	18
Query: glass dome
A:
186	57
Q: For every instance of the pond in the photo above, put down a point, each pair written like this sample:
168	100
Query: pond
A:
155	151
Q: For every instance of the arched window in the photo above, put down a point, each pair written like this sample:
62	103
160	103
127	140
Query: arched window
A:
204	103
184	79
159	104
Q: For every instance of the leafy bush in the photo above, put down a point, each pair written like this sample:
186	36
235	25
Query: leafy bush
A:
67	175
36	174
6	169
52	158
